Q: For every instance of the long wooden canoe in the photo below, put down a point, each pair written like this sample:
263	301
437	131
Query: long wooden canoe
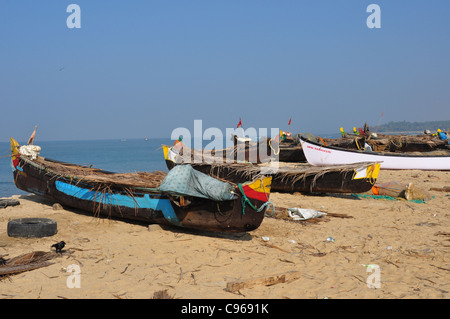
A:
155	197
358	178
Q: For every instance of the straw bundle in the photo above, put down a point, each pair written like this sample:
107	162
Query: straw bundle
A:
286	174
98	176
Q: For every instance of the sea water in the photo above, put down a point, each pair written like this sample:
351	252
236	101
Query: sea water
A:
121	156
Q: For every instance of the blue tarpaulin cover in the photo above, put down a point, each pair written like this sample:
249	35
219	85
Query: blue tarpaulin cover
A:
186	181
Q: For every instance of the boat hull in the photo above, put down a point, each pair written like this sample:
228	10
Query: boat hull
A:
291	154
141	205
357	179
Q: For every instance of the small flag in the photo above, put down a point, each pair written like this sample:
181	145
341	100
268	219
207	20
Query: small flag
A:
179	140
240	123
33	135
290	121
178	145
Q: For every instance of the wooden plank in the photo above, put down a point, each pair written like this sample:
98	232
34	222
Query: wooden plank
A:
235	286
443	189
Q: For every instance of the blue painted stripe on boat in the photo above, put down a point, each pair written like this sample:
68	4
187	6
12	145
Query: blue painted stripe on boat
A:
158	204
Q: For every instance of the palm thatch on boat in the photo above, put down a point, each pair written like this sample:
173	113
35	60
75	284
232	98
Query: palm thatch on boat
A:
379	142
97	176
405	143
300	178
255	152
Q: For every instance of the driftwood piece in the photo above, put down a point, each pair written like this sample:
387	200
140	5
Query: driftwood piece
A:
10	270
235	286
8	202
26	262
162	294
442	189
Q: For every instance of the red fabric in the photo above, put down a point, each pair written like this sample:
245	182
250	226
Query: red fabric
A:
16	161
251	193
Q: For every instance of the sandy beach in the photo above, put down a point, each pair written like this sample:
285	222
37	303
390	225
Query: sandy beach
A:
407	241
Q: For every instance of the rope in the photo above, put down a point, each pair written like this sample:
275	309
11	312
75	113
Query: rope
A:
399	145
245	200
275	152
372	180
323	141
357	144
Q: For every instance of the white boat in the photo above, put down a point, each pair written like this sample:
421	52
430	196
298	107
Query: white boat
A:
320	155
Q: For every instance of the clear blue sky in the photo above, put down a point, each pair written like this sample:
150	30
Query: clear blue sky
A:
143	68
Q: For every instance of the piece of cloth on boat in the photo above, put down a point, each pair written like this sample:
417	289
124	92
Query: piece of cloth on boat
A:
304	213
185	181
30	150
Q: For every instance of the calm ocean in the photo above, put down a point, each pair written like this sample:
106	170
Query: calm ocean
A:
130	155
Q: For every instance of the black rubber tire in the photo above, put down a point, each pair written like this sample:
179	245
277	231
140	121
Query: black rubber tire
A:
32	227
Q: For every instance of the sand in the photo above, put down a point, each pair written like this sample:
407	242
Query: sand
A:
408	242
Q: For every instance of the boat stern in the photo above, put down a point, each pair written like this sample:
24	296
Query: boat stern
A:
171	157
370	172
258	190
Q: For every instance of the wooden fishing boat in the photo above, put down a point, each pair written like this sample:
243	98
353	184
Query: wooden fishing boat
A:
379	142
243	150
405	143
288	151
387	143
180	197
321	155
356	178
